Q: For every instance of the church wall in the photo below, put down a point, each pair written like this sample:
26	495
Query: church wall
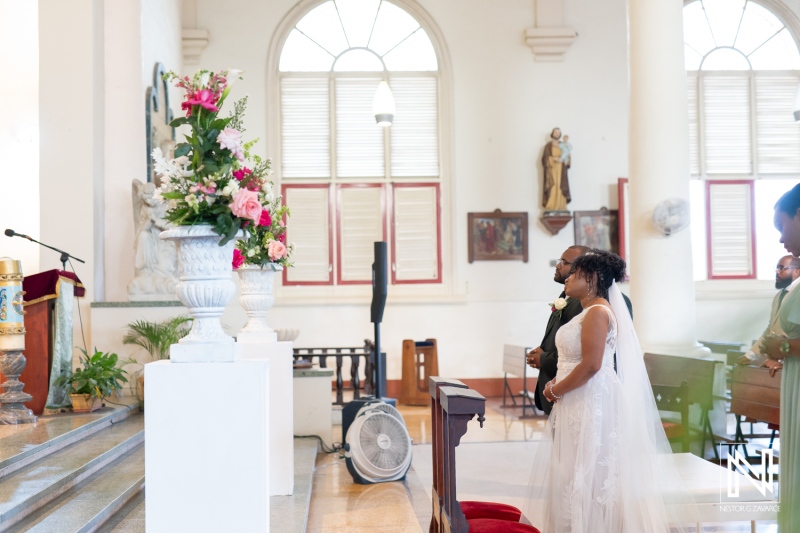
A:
504	106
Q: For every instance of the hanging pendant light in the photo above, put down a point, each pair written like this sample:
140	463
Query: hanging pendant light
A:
383	105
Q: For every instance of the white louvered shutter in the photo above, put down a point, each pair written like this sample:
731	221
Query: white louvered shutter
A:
305	128
416	234
308	229
415	131
361	217
726	114
694	126
778	135
359	140
730	228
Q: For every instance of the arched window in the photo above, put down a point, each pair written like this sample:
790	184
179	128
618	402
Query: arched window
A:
743	69
348	181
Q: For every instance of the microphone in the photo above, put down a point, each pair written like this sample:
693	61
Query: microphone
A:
12	233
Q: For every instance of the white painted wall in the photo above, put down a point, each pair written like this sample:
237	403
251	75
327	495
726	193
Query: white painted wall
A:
504	106
19	130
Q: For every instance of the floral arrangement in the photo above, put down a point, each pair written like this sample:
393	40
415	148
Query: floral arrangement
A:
558	306
208	180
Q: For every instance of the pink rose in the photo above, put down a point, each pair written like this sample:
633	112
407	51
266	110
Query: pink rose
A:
282	238
238	258
241	173
266	220
276	250
246	205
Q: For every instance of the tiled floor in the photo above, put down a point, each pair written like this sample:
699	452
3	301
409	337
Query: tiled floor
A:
339	504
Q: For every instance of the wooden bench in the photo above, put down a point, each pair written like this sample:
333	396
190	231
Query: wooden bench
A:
674	399
699	374
755	396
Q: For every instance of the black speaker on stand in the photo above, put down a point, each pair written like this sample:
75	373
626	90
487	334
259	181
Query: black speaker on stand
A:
380	288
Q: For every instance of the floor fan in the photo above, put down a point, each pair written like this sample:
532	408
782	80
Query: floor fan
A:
377	445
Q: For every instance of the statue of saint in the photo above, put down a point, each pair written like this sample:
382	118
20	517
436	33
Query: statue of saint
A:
156	261
556	160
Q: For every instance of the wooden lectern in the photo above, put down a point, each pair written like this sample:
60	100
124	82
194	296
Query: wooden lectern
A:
42	292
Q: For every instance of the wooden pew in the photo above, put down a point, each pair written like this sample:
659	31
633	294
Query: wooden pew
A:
755	395
698	373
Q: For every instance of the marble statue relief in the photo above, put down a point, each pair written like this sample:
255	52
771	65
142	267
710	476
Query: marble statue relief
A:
156	261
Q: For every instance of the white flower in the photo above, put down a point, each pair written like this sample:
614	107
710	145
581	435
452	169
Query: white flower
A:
210	200
204	79
251	252
233	75
559	304
230	189
191	199
157	195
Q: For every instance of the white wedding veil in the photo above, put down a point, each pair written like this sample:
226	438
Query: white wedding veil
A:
648	497
650	477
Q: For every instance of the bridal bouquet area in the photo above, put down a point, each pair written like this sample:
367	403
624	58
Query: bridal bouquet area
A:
224	211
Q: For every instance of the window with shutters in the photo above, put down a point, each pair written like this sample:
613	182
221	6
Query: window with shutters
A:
743	70
348	181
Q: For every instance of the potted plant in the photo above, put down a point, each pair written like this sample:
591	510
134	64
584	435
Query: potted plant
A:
97	379
155	338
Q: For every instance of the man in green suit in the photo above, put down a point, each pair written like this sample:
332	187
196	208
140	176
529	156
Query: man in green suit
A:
545	356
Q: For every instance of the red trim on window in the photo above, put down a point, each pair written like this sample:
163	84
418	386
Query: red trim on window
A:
438	278
284	188
339	188
709	265
622	216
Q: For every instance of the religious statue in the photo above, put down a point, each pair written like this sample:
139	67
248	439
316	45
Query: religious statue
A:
156	261
556	159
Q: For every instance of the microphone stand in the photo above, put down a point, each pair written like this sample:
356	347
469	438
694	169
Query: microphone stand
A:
64	255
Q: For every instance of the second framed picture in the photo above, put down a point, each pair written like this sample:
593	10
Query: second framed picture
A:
497	236
597	229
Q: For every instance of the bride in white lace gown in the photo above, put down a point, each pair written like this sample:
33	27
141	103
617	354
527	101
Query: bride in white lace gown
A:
603	469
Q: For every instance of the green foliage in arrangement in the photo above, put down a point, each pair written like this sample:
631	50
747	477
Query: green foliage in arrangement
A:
157	337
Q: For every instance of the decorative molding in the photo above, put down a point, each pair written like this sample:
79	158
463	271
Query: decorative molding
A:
194	41
550	44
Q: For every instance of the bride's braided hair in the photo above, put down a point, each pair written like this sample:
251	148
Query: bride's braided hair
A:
607	266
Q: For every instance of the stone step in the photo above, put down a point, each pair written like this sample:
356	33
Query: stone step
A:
25	444
90	504
33	486
129	519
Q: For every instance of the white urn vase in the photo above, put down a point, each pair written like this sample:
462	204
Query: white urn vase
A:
256	284
205	287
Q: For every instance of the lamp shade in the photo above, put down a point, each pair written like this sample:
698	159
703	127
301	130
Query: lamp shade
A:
383	105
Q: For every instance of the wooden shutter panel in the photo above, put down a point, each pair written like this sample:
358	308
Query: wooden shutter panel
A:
730	229
726	114
359	140
305	128
415	131
694	126
361	223
778	135
416	249
309	230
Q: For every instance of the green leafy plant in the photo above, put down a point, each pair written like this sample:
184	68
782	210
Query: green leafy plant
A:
99	377
157	337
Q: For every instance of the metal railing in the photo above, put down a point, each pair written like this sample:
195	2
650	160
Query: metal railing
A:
360	386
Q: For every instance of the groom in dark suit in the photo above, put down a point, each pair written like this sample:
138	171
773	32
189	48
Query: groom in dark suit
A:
545	356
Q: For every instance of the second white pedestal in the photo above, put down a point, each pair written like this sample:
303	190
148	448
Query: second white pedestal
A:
207	445
281	459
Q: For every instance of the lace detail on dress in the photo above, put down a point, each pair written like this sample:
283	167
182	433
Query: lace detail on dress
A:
584	474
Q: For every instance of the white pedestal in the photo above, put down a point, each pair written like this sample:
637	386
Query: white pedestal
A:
207	445
312	403
281	423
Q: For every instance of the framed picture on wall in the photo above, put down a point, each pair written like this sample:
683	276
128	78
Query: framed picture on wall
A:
597	229
624	232
497	236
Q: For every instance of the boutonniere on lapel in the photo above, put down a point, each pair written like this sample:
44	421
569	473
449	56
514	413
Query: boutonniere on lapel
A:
558	306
